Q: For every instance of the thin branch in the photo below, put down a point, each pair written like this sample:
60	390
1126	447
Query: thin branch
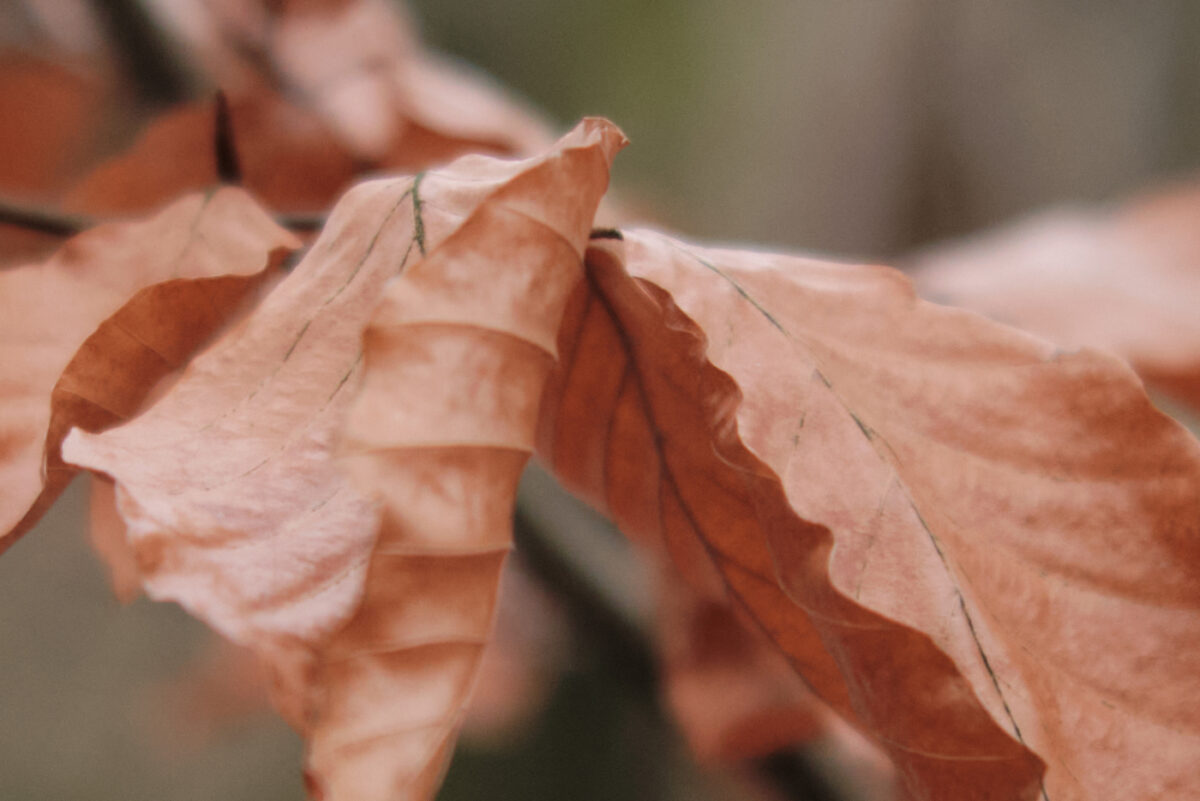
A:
229	167
59	223
43	220
598	601
567	550
306	222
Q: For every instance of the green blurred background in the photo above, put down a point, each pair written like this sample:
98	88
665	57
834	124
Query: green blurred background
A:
861	128
855	126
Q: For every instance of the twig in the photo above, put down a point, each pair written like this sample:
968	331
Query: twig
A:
553	540
59	223
64	224
601	610
43	220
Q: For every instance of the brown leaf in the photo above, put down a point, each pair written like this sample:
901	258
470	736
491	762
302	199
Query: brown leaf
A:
385	99
521	664
733	694
983	550
338	59
51	114
1126	279
456	356
305	126
224	685
86	335
287	158
451	108
237	511
106	532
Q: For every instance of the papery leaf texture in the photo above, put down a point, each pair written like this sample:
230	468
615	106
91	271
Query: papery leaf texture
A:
86	335
1125	279
456	356
371	599
982	550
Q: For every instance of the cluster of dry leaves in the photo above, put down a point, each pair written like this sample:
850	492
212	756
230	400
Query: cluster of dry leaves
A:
979	548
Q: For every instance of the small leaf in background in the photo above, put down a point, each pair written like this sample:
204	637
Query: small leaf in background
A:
305	126
732	692
106	533
524	656
224	686
52	114
983	551
1126	279
88	333
286	155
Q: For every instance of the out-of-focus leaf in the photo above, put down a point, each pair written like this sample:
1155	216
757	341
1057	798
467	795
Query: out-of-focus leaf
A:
286	155
1126	279
318	93
521	663
224	686
106	532
734	695
236	509
982	550
50	114
85	336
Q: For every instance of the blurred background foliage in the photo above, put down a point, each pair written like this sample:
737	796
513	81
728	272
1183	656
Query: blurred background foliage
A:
862	128
855	126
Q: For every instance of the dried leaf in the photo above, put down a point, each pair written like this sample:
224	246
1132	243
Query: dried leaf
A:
451	108
237	511
338	59
106	532
50	113
1127	280
386	100
521	664
86	335
304	127
733	694
456	356
223	686
981	549
287	158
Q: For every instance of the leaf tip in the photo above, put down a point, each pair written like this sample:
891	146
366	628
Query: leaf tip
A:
604	133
